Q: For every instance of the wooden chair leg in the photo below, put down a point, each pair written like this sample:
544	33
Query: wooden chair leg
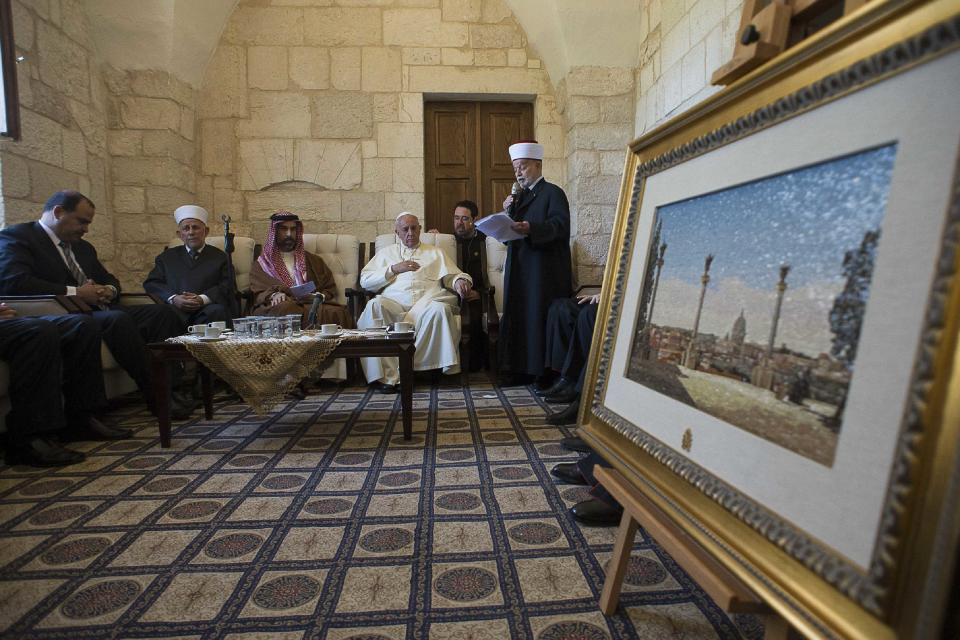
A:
617	568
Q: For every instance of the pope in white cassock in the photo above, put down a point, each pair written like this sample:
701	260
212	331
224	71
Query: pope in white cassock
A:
420	284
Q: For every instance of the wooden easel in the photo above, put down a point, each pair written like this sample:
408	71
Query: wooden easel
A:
726	589
770	27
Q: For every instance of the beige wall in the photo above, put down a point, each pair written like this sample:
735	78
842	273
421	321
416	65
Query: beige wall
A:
152	146
319	109
63	118
683	43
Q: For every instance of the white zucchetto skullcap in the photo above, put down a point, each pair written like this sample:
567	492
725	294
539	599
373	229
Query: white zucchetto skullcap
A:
191	211
528	149
406	213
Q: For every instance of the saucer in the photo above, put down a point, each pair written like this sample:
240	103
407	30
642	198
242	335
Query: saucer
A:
330	335
206	339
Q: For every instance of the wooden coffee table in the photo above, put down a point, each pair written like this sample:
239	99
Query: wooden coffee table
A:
162	353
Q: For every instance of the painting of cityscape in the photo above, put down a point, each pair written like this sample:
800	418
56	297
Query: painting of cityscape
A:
754	296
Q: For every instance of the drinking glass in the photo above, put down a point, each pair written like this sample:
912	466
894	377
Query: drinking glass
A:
294	320
240	327
283	327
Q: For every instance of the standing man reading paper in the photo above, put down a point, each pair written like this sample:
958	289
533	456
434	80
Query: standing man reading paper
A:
420	284
538	268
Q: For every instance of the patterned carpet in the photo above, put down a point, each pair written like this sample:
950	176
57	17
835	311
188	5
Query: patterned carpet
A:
319	521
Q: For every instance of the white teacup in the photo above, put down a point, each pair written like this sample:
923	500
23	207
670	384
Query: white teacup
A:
197	328
212	332
219	324
330	329
402	327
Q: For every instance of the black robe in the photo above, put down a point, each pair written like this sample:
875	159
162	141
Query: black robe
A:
538	271
174	271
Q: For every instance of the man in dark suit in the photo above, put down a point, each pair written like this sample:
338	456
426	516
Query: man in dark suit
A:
193	279
471	252
538	268
44	355
50	257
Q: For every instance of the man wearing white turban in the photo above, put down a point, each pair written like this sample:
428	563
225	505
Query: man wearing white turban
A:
418	283
194	277
538	268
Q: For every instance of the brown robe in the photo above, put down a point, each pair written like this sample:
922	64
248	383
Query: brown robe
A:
263	286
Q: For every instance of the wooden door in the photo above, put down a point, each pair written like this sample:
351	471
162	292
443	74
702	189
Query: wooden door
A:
466	155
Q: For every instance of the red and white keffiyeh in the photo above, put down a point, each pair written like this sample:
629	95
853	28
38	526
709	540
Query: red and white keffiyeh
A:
271	259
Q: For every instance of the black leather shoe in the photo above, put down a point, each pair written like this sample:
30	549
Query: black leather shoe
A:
562	397
546	380
383	387
596	513
93	429
558	386
42	452
565	417
575	444
569	473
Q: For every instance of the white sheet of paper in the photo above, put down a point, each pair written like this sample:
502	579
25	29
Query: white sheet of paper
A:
497	226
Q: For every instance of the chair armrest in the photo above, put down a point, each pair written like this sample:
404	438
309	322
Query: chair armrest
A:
47	305
489	302
357	300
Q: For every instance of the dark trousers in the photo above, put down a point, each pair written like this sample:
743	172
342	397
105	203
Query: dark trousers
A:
586	466
478	337
45	355
127	329
569	336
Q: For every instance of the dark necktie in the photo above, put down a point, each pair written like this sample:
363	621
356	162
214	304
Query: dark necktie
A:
72	265
193	255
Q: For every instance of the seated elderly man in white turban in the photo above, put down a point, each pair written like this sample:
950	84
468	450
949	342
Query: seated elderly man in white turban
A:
420	284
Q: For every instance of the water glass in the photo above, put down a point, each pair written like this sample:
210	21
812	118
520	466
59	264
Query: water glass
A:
240	327
294	320
283	327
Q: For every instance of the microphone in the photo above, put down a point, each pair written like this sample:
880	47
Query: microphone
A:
314	310
227	236
515	191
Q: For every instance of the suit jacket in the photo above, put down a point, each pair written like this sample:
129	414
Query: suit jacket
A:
174	271
31	265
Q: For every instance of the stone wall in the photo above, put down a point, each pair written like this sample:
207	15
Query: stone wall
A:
598	109
152	149
684	42
319	109
63	118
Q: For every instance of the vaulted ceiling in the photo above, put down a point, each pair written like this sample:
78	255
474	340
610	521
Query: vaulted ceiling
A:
179	36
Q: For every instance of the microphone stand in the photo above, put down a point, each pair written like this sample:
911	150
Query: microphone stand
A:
228	249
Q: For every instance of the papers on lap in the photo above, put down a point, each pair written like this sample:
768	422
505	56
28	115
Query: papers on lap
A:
301	290
497	226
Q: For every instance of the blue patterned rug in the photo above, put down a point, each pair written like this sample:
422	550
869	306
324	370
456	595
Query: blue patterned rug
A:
320	521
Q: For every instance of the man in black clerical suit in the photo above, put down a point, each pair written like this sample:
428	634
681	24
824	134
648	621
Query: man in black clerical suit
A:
569	337
193	279
471	257
47	356
538	268
50	257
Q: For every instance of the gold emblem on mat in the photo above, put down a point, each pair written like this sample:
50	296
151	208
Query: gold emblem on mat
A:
687	441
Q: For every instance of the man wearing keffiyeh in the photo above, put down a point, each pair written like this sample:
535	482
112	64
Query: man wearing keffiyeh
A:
285	263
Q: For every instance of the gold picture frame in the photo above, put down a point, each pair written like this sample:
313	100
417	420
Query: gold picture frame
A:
863	545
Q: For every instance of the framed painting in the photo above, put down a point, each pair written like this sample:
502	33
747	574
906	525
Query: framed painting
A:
777	368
